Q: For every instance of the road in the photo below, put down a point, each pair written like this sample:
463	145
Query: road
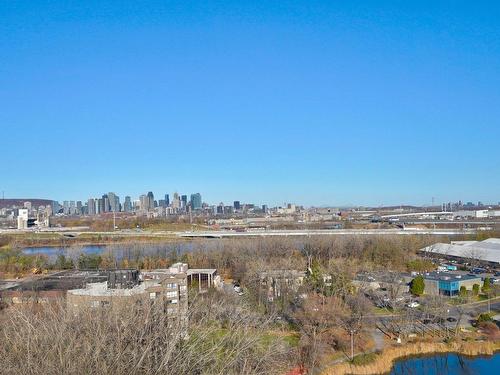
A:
323	232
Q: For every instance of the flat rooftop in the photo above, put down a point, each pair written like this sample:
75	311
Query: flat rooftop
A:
64	280
101	290
448	276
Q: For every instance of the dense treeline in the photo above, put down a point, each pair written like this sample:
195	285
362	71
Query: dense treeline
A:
233	258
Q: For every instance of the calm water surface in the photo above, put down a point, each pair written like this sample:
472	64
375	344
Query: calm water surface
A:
448	364
120	250
56	250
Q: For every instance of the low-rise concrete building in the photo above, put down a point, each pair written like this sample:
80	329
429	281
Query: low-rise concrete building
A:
169	286
447	283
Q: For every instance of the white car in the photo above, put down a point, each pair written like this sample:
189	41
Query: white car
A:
413	304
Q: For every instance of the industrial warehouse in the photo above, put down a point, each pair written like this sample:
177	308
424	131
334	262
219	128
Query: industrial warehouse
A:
486	252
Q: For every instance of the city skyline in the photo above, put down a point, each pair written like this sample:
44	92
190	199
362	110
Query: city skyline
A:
166	199
319	103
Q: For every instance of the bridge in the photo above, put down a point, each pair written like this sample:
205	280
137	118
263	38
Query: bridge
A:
442	213
324	232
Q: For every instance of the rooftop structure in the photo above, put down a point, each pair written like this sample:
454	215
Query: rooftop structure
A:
129	288
487	250
204	278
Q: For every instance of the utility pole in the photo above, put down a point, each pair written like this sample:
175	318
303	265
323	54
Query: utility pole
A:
352	344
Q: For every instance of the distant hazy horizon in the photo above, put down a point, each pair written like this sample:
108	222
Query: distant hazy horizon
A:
311	102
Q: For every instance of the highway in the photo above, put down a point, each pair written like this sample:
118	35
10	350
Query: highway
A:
323	232
76	231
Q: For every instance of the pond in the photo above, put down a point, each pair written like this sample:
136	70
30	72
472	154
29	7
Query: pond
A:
448	364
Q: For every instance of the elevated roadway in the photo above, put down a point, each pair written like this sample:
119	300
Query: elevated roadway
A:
324	232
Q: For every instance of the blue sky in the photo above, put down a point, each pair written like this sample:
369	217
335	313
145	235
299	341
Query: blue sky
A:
314	102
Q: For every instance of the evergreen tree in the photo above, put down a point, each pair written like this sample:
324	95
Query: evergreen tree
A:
463	291
486	285
417	286
475	289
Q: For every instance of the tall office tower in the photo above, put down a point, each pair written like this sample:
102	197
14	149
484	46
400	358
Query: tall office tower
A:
176	202
144	202
184	201
220	208
91	207
265	209
127	204
72	208
196	201
151	199
66	207
167	200
100	205
237	205
56	207
114	202
117	204
105	200
79	207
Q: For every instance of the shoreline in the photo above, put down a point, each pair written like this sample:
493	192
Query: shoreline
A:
386	360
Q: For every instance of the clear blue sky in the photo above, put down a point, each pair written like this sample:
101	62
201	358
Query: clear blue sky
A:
314	102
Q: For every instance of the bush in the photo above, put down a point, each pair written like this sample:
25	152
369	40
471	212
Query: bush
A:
417	286
484	318
419	265
475	289
90	261
486	285
463	291
364	359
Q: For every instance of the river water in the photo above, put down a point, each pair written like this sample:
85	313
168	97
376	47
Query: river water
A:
448	364
119	251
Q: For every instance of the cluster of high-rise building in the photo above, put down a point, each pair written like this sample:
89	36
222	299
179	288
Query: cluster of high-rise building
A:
38	212
146	204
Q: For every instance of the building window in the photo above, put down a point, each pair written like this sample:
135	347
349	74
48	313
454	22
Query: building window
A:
152	295
171	294
174	301
172	285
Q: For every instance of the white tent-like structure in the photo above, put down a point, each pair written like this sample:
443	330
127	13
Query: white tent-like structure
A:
486	251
